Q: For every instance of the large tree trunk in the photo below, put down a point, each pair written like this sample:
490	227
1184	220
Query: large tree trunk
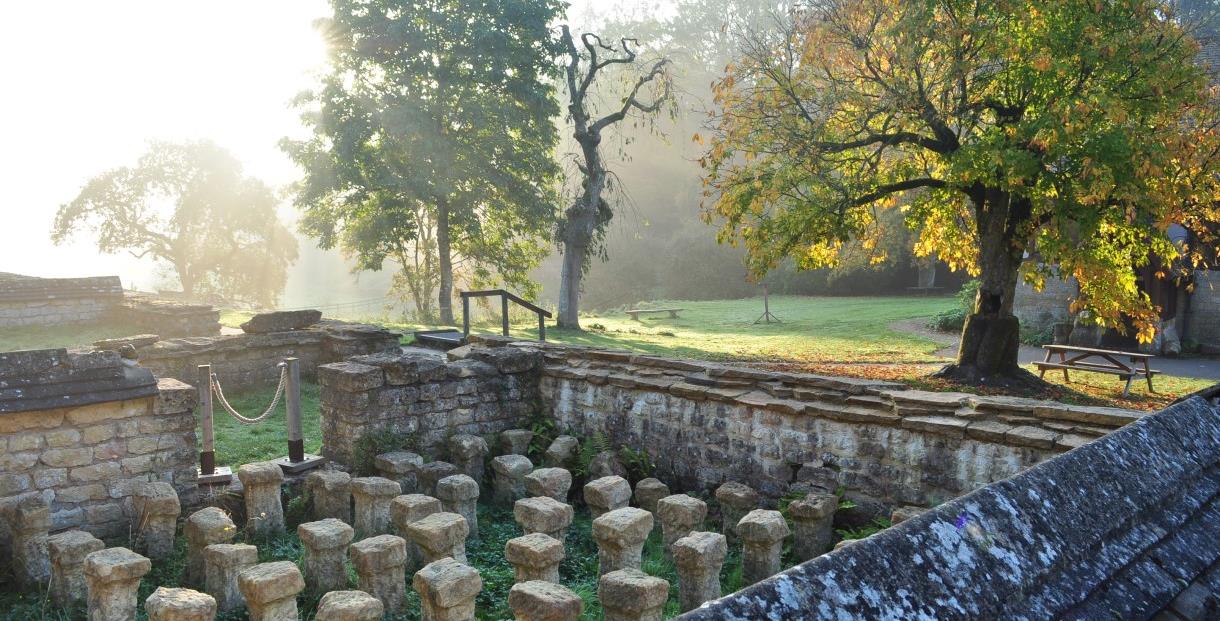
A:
445	288
991	335
570	276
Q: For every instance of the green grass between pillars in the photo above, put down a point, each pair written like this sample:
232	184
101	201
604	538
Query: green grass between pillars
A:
238	444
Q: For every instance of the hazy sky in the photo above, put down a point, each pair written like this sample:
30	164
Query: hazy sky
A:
88	83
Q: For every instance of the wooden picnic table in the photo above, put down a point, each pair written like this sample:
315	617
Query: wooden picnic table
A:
1098	361
636	312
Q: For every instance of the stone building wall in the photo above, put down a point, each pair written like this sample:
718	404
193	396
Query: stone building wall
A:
1203	321
168	318
705	423
249	360
30	301
426	395
1041	309
80	429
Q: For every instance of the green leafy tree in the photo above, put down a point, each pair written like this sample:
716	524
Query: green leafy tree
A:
1079	130
191	206
433	142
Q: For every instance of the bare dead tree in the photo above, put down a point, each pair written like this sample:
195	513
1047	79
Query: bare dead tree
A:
590	212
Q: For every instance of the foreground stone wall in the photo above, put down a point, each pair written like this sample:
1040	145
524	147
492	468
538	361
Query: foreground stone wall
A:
480	392
705	423
29	301
1122	528
85	458
249	360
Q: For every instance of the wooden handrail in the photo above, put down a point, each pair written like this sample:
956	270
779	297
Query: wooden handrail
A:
505	297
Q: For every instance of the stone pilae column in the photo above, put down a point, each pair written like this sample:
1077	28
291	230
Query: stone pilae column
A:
112	577
373	496
509	477
330	495
544	515
562	452
440	535
349	606
222	563
30	528
544	601
432	472
264	513
736	500
680	515
68	551
534	557
516	441
620	535
648	492
325	543
699	558
632	595
166	604
467	452
813	522
607	494
460	494
447	590
203	528
381	564
550	482
410	508
400	466
271	590
762	533
157	509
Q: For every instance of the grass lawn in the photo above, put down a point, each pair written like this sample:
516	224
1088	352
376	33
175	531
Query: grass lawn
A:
50	337
238	444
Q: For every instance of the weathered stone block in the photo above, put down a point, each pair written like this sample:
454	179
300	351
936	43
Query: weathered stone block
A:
680	515
281	321
166	604
447	590
222	563
762	535
203	528
544	601
736	499
467	452
271	590
406	509
400	466
607	494
460	494
648	492
544	515
551	482
30	530
380	564
349	606
509	472
534	557
373	496
67	553
432	472
632	595
439	535
620	535
699	557
157	509
813	521
562	452
261	484
112	577
351	377
325	543
330	494
516	441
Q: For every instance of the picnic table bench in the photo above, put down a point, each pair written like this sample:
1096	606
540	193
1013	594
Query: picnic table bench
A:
1104	361
636	312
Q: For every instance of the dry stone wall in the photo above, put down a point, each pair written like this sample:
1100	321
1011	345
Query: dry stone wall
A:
30	301
705	423
85	458
168	318
479	392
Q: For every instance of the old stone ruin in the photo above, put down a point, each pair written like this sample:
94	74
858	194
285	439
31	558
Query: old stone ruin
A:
1001	507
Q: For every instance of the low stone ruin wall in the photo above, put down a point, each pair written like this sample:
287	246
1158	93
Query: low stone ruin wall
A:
168	318
30	301
80	430
1123	528
705	423
425	395
249	360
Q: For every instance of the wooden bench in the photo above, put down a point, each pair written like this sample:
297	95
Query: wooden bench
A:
636	312
1106	361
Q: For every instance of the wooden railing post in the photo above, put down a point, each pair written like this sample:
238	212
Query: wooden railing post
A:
465	316
207	456
504	313
541	327
296	441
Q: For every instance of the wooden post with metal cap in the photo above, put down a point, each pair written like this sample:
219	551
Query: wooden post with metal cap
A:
297	460
208	473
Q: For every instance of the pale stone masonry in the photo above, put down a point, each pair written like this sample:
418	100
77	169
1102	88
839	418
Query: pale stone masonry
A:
699	558
157	510
271	590
509	477
813	524
516	441
460	494
620	535
735	500
167	604
607	494
439	535
544	515
222	564
380	564
373	496
421	394
34	301
447	590
410	508
648	492
534	557
544	601
762	533
632	595
551	482
349	606
330	494
68	551
432	472
207	526
325	543
112	577
264	510
680	514
467	453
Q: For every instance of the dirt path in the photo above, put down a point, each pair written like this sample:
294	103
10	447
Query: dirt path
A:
919	327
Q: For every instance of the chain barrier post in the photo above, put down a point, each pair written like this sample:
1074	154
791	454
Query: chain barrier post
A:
208	473
296	442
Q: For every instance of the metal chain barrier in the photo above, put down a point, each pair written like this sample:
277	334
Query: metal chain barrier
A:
279	392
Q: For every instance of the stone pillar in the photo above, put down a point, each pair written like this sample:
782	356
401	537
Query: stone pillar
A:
410	508
402	467
516	441
607	494
509	477
157	510
179	605
271	590
813	520
632	595
447	589
325	543
112	577
680	515
762	535
330	494
432	472
381	566
620	537
222	563
544	515
440	535
736	500
539	600
203	528
562	452
551	482
30	528
648	492
373	496
349	606
534	557
264	513
467	453
460	494
68	551
699	557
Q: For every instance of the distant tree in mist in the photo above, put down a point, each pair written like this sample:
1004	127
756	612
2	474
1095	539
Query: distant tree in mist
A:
646	91
191	206
433	143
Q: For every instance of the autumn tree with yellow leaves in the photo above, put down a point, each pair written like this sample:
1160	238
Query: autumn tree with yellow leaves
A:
1077	130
